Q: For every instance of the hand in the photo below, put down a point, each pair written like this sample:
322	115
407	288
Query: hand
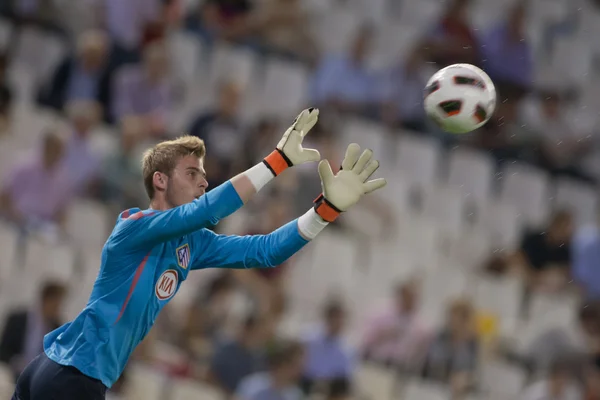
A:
343	190
289	150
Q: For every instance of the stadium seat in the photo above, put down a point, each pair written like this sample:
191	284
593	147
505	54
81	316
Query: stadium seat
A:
444	205
232	63
440	287
528	190
502	298
49	260
285	88
88	223
502	379
470	248
335	260
9	240
420	13
418	159
472	172
335	29
7	381
579	198
184	389
375	382
145	383
186	55
40	51
370	135
503	223
6	31
421	390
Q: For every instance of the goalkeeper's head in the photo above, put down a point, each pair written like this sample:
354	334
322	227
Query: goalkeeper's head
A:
174	172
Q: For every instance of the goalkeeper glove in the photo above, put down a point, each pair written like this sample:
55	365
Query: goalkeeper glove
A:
343	190
289	150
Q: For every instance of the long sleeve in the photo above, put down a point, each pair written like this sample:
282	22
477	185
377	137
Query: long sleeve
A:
145	229
252	251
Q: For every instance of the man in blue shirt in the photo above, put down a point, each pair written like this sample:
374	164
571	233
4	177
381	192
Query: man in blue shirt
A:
150	252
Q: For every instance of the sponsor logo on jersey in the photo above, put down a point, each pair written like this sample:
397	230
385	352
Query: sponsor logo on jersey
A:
166	284
183	256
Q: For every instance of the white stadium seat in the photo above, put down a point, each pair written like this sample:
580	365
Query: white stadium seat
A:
418	159
528	190
445	205
471	171
184	389
503	379
503	224
502	298
6	32
421	390
375	382
285	88
145	383
579	198
9	240
232	63
88	223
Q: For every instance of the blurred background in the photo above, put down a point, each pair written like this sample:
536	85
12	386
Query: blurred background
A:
475	274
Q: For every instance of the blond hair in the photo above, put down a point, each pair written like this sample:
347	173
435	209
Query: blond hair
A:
164	156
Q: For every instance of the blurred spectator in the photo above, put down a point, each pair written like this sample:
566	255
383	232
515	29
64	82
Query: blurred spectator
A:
122	183
559	385
128	23
453	355
562	146
344	82
22	338
403	98
397	335
508	55
592	381
38	190
43	14
284	363
339	389
236	359
80	160
145	90
284	26
585	256
5	95
452	41
221	19
85	75
545	254
216	301
222	132
577	342
117	390
327	356
259	141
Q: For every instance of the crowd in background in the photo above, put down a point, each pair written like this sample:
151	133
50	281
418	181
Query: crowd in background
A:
118	73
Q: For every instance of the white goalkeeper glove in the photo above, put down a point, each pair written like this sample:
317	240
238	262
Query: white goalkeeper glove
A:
343	190
289	150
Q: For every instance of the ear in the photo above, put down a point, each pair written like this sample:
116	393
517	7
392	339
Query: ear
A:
160	181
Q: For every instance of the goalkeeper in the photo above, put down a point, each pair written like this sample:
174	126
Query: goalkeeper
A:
150	252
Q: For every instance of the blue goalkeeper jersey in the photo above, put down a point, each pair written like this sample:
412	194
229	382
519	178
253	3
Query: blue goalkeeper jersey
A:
144	261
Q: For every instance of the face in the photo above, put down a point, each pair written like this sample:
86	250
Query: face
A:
336	322
53	151
52	306
229	99
406	298
156	64
93	57
186	183
562	228
294	369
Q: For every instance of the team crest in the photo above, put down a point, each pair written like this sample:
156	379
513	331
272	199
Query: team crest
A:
183	256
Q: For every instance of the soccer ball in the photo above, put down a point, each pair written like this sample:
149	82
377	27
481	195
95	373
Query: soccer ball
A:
460	98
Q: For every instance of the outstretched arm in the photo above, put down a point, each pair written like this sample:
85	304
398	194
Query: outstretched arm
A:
340	192
146	229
